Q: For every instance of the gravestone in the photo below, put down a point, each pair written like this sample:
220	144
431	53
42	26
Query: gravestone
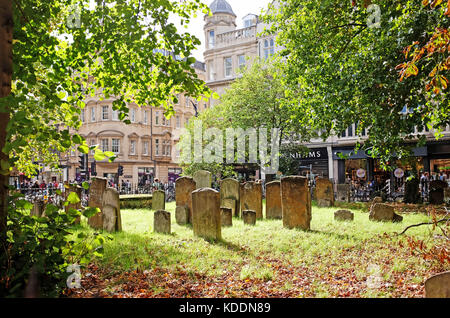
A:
38	208
182	215
295	202
202	179
77	206
324	192
412	193
273	200
438	286
183	189
251	197
343	192
112	220
249	217
343	215
161	222
383	212
96	191
229	195
206	218
158	200
437	191
447	195
226	216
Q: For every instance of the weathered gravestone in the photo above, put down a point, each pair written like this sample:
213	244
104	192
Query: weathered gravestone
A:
161	222
324	192
251	197
447	195
38	208
437	191
96	191
226	216
112	220
183	189
202	179
412	193
295	202
182	215
343	215
206	218
158	200
438	286
343	192
229	195
383	212
249	217
77	206
273	200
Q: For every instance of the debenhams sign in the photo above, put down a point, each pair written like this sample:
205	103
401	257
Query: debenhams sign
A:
313	154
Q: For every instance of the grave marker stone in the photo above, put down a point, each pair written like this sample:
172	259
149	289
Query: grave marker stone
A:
273	200
206	217
296	202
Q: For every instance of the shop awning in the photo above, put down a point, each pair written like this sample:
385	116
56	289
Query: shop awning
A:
349	153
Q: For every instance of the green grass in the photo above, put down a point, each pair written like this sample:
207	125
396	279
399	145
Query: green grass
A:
268	251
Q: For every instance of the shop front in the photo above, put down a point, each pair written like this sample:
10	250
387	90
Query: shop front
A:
439	160
313	163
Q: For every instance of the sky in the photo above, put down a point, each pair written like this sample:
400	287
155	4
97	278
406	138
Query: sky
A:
240	7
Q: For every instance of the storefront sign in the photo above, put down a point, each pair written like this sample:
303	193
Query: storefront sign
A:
361	173
313	154
399	173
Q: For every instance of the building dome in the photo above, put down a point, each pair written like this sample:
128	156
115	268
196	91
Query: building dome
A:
221	6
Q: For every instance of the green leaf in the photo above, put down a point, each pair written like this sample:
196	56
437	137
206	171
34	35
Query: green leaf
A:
73	198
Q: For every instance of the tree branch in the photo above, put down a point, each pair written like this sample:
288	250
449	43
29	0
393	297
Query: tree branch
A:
425	223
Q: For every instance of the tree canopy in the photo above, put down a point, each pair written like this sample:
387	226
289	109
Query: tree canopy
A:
341	66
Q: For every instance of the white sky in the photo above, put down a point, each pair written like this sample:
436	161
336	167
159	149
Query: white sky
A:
240	7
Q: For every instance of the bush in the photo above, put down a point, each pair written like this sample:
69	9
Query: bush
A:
42	246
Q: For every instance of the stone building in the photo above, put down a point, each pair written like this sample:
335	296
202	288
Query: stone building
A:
145	148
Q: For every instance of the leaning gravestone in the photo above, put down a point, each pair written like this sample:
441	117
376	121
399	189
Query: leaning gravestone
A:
343	215
77	206
183	189
182	215
383	212
295	202
161	222
226	216
206	218
202	179
343	192
251	197
438	286
229	195
112	220
324	192
273	200
249	217
437	191
158	200
96	191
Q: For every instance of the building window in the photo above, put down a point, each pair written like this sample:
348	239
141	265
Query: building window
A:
228	66
82	115
105	145
132	147
187	101
105	112
350	131
115	145
92	143
157	118
241	61
211	39
115	115
145	117
157	147
178	122
133	115
269	48
145	148
211	71
92	114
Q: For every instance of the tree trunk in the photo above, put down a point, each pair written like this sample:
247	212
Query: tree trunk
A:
6	66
